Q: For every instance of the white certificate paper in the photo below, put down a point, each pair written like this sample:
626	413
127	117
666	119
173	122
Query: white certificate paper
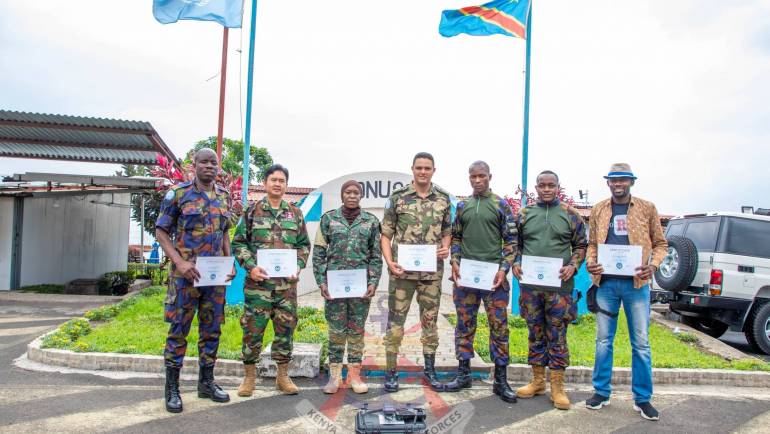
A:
278	262
214	270
478	274
620	260
540	270
346	283
418	257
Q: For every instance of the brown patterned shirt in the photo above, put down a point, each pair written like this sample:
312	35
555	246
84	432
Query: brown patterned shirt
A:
644	230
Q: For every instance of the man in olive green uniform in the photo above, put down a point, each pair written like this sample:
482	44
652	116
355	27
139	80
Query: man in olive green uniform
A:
416	214
348	238
271	223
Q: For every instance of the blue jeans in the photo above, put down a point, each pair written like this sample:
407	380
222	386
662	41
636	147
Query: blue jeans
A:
636	304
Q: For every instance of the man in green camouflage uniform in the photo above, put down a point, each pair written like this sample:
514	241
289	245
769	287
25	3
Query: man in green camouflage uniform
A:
416	214
348	238
271	223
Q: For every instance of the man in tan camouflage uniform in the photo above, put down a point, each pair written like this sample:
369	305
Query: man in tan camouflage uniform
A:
416	214
271	223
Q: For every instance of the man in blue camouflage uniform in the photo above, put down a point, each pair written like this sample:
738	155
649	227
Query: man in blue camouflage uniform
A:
484	230
193	222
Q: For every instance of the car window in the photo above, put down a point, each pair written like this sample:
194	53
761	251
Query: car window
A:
748	237
703	234
675	228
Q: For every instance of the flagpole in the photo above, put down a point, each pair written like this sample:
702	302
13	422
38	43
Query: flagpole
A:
249	95
222	86
525	139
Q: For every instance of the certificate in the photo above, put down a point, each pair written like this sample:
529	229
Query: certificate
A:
620	260
346	283
417	257
541	271
213	270
477	274
278	262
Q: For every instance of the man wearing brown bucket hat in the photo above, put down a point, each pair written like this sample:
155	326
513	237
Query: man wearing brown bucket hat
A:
625	233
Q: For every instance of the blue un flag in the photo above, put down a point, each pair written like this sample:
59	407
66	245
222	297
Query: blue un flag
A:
228	13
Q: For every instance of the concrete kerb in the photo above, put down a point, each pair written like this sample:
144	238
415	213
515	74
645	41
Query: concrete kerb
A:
306	361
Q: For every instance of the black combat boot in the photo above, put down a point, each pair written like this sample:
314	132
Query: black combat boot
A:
173	400
429	373
391	374
501	387
463	379
207	388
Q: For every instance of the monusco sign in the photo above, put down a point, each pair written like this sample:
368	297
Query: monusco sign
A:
376	186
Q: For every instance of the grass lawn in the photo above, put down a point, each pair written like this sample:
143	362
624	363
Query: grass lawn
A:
668	350
136	326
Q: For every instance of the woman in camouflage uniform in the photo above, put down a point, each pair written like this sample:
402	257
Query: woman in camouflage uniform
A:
347	239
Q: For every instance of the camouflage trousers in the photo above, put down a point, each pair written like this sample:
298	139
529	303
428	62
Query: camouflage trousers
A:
400	293
261	305
547	315
182	301
346	318
467	302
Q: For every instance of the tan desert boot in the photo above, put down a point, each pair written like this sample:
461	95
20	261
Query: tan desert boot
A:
335	378
249	380
354	378
536	386
283	381
558	395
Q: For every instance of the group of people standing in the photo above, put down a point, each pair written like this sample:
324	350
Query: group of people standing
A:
195	221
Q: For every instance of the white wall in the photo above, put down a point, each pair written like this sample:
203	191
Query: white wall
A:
6	241
74	237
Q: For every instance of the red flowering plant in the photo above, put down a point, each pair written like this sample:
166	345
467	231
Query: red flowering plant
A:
515	201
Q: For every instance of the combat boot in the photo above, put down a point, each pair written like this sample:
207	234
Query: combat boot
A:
429	373
391	374
463	379
354	378
249	380
536	386
335	378
501	387
207	388
173	399
558	395
283	381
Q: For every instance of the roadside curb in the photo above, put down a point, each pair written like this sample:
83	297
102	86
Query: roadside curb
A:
306	361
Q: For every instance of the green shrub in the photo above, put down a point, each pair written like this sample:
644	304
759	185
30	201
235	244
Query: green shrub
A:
44	289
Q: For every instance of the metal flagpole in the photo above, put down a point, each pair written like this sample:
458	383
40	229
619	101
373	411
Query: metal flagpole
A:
249	92
222	82
525	140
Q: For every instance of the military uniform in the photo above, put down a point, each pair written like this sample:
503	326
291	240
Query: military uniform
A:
263	227
410	219
197	224
484	230
343	246
551	230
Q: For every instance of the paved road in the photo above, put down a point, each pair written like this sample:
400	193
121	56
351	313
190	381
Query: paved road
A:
33	401
738	341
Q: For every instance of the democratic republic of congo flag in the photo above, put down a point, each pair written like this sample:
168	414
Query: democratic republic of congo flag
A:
504	17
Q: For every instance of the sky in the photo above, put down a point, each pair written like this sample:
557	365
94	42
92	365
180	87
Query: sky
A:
678	89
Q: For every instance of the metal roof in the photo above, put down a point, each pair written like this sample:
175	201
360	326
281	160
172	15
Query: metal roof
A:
78	138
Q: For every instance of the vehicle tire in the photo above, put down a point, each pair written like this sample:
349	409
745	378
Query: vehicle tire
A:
708	326
678	268
758	327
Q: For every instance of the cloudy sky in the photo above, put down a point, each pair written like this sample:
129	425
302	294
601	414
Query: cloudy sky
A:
678	89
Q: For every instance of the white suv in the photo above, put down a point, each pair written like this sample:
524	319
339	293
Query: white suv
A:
717	274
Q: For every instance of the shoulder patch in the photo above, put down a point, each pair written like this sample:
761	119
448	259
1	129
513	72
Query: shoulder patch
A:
388	204
170	194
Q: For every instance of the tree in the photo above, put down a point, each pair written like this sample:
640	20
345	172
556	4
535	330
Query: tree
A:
232	167
232	157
